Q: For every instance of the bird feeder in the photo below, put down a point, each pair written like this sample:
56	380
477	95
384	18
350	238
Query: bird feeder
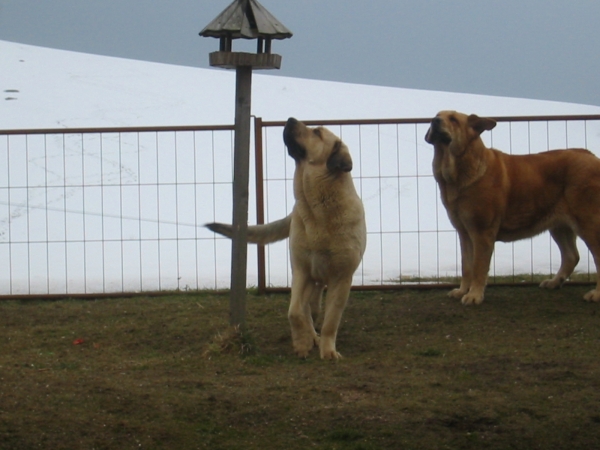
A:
243	19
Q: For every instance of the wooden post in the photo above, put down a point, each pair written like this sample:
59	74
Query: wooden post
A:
235	22
241	169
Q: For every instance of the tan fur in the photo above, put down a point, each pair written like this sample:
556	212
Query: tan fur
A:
327	235
492	196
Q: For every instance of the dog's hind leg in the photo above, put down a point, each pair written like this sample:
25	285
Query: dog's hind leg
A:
304	336
566	239
335	303
314	300
591	237
594	295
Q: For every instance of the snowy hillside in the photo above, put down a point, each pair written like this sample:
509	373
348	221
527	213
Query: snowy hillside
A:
44	88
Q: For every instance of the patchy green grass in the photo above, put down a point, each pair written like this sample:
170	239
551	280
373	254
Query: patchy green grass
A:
420	371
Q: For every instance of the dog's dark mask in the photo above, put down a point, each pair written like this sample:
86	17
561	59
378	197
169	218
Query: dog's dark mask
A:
295	150
435	134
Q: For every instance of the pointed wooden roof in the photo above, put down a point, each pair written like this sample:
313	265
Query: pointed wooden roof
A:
246	19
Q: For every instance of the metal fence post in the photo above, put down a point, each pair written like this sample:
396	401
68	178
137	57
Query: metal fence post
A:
260	200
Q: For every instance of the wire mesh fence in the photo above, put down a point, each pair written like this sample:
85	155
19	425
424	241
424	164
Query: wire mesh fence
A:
112	211
100	211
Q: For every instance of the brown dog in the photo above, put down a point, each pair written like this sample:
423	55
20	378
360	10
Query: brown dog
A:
491	196
327	234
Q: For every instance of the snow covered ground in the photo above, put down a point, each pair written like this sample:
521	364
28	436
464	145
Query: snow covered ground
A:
47	88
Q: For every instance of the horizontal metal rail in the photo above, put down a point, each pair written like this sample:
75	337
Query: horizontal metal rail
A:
107	130
329	122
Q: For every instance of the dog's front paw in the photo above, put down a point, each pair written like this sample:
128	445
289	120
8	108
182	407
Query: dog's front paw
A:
327	349
457	293
303	346
332	354
471	299
552	283
592	296
301	353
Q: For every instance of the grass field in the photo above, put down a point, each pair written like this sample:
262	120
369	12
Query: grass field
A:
420	371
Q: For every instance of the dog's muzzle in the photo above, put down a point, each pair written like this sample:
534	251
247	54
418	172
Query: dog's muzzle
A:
295	150
437	133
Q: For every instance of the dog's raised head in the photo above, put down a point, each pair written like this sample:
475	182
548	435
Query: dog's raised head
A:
318	147
456	130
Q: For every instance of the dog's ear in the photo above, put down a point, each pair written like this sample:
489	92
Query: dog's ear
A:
480	124
339	161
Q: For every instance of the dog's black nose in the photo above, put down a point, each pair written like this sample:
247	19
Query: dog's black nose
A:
437	121
291	121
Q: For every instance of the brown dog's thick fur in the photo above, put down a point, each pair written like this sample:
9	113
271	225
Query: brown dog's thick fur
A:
327	234
491	196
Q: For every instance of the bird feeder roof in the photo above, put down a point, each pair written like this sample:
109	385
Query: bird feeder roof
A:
246	19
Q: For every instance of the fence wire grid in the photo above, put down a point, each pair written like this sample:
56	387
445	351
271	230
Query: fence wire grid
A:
113	211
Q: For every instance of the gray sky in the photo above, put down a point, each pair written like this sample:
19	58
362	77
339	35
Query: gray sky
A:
542	49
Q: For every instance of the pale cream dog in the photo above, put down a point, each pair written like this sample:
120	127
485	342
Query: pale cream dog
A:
327	234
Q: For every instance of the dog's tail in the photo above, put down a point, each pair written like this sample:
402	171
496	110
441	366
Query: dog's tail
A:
258	234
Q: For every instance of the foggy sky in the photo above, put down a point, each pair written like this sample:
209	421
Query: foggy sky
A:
542	49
